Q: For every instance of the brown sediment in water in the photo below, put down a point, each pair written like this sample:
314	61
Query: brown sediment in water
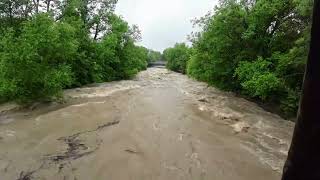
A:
161	125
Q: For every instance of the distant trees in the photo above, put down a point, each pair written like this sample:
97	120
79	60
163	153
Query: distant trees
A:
46	46
154	56
177	57
257	48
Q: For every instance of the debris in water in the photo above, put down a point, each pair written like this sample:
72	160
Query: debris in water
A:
131	151
240	127
203	99
230	118
25	175
73	151
108	124
76	149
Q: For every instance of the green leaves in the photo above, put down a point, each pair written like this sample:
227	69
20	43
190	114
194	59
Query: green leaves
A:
154	56
258	48
46	56
262	85
177	57
257	80
34	64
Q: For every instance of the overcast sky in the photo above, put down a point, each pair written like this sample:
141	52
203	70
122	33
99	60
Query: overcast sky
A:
163	22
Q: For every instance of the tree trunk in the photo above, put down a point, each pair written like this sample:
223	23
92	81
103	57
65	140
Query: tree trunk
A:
303	161
48	5
36	5
10	13
96	32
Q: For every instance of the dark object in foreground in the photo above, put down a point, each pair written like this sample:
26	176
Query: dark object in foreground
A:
303	161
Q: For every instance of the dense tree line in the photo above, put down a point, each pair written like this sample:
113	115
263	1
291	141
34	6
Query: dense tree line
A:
154	56
177	57
254	47
49	45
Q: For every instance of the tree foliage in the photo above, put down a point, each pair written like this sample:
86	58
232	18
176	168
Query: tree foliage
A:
30	66
257	48
177	57
46	46
154	56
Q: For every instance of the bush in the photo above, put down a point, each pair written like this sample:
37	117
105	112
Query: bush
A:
154	56
34	64
177	57
199	67
42	54
255	48
217	47
117	55
290	102
257	80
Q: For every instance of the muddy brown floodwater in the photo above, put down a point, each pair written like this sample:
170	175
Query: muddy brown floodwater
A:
159	126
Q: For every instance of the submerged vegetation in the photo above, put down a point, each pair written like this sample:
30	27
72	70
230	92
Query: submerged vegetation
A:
46	46
256	48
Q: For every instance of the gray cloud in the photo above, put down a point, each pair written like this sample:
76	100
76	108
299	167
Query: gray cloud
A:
163	22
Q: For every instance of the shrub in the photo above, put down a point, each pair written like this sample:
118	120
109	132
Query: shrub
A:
177	57
34	64
257	80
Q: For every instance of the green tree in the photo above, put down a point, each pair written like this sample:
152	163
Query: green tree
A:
251	46
177	57
48	45
257	79
219	47
34	64
154	56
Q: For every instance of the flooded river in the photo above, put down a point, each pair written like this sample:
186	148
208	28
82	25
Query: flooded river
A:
159	126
